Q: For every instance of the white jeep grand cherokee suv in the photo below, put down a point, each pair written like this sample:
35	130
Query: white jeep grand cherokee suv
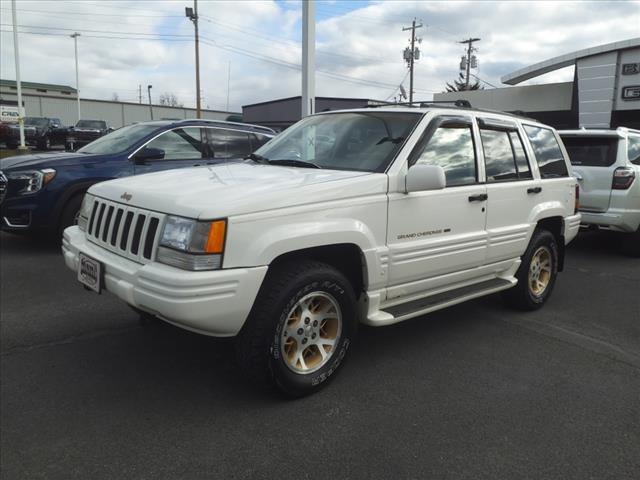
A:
607	166
373	215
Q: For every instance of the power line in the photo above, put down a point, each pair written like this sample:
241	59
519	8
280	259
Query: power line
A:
94	14
99	31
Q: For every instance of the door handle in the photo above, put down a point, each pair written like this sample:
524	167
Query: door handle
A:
478	198
534	190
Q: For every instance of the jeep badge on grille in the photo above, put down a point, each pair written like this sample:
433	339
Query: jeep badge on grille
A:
126	196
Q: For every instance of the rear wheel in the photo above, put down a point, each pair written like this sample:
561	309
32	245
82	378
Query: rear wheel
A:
537	273
300	328
44	144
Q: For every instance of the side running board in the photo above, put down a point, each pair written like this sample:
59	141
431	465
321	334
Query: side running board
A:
445	299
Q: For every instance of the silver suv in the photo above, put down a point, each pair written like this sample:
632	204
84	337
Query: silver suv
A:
607	166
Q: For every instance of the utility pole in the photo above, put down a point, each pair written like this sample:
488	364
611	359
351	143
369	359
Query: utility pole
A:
411	55
192	14
470	50
75	41
16	54
139	93
149	87
308	57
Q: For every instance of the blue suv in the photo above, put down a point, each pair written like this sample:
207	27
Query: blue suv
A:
42	193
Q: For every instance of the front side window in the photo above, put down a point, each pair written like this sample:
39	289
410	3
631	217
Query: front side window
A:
180	144
591	151
362	141
547	151
257	140
120	140
451	147
95	124
228	143
633	150
35	122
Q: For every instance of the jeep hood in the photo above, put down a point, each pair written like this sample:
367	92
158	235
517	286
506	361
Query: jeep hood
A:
229	189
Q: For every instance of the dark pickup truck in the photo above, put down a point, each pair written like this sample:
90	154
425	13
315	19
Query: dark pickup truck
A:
84	132
39	132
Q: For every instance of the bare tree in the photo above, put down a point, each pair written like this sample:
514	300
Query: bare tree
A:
115	97
460	85
169	100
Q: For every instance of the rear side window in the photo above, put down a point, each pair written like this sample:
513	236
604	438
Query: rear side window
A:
451	147
228	143
591	151
504	155
547	151
633	150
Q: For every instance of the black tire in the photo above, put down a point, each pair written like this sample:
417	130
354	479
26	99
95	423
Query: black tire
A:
44	143
523	296
69	215
259	346
631	243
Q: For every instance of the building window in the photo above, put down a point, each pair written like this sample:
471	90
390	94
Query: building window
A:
41	90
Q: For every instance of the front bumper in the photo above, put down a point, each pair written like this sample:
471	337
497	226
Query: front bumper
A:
619	220
212	303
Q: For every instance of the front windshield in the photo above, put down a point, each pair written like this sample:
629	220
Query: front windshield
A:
119	140
35	121
363	141
90	124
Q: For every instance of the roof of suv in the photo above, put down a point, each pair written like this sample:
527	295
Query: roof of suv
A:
427	107
620	132
213	123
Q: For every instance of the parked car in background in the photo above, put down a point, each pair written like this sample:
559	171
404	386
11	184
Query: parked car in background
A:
373	215
607	166
42	193
39	132
85	132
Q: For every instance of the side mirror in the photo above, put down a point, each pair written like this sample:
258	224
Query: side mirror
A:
421	178
149	153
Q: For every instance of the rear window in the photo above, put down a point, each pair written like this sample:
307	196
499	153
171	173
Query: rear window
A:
633	150
548	154
591	151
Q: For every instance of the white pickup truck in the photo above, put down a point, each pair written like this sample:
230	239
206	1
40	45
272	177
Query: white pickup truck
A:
371	215
607	166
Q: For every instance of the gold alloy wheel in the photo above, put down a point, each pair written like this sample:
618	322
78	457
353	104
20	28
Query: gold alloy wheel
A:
311	332
540	271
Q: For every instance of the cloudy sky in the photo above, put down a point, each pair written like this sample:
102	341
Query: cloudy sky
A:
359	44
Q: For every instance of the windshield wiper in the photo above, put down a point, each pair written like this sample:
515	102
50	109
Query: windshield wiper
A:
294	163
257	158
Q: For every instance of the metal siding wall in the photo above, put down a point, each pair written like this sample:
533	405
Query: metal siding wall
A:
113	112
596	85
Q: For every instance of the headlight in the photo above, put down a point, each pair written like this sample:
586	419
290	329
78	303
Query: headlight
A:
85	211
32	181
192	245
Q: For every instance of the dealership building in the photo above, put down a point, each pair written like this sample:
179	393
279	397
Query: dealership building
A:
60	101
605	91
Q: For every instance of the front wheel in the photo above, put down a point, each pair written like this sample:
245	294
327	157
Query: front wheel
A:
70	214
300	328
537	273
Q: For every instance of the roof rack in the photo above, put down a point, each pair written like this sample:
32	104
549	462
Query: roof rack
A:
459	103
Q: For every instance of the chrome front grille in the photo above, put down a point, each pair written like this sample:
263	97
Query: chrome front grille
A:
127	231
4	184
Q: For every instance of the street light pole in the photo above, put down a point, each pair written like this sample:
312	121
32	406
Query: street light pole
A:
192	14
75	41
16	53
149	87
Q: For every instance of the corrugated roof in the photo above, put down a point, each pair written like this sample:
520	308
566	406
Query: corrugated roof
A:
41	86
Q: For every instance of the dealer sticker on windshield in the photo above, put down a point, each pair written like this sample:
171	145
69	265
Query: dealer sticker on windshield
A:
90	273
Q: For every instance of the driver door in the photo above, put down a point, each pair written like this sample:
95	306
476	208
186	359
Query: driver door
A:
182	147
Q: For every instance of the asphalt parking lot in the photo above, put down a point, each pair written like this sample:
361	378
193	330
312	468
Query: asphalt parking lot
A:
476	391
